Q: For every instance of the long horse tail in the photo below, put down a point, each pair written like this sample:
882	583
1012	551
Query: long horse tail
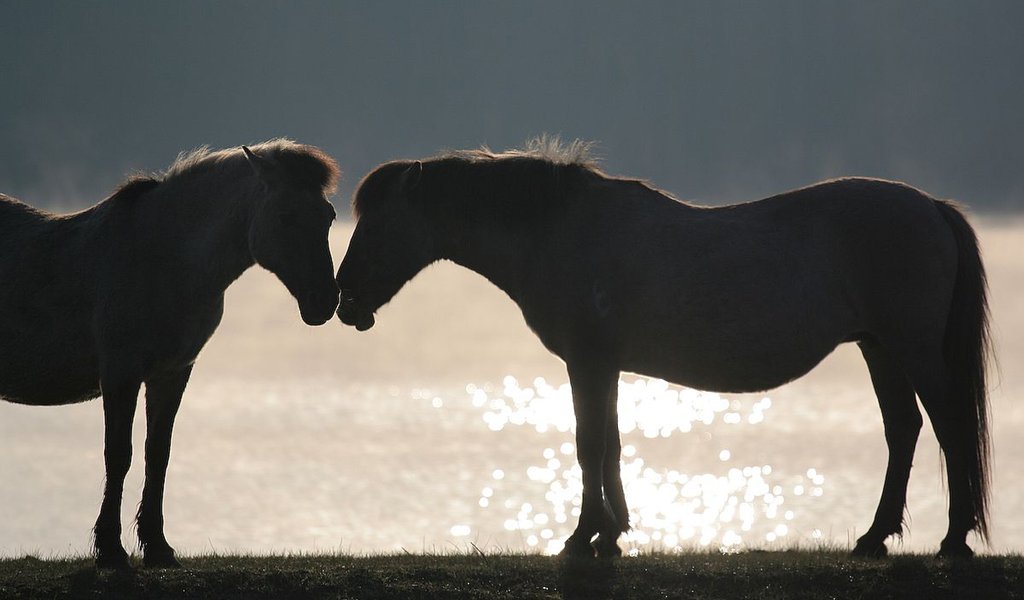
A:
967	349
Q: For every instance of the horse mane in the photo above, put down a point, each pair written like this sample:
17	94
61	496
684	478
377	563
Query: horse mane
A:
538	170
136	185
545	148
303	165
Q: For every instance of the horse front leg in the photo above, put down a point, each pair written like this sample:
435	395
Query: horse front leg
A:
591	394
120	397
163	397
615	496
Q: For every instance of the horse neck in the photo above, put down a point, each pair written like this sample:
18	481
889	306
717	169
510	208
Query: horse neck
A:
204	224
485	244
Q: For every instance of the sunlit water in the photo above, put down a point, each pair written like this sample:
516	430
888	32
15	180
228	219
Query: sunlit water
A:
449	427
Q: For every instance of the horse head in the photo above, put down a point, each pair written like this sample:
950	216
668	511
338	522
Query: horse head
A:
390	245
289	228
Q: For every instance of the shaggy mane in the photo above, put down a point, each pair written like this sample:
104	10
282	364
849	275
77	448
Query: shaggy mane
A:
304	165
135	186
540	163
546	148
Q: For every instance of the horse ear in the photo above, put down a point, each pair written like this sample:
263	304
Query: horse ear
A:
411	176
260	166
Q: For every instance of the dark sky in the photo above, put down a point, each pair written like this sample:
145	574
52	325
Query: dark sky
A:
714	101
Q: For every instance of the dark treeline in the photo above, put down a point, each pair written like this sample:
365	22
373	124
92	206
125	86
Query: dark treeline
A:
714	101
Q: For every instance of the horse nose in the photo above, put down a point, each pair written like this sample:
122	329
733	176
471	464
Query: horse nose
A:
320	307
351	313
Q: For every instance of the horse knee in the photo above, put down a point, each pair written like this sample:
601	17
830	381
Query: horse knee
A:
117	464
903	432
913	420
590	453
615	500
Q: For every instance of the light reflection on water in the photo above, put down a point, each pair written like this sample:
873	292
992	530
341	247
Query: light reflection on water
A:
308	466
729	508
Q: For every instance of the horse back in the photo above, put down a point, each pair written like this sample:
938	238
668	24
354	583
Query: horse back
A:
19	220
742	297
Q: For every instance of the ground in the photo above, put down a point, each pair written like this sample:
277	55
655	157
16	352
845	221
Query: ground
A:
770	575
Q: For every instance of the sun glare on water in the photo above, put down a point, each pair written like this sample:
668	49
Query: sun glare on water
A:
732	507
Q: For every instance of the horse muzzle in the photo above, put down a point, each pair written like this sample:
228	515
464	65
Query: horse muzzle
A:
318	308
350	313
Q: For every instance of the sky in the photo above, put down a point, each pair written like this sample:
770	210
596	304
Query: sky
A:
713	101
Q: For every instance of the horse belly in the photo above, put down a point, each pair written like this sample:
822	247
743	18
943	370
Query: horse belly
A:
47	378
735	371
47	351
736	354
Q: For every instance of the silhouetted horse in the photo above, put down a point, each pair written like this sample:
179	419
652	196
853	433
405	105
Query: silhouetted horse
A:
613	275
129	291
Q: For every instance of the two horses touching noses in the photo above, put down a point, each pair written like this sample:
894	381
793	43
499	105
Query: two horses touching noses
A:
611	274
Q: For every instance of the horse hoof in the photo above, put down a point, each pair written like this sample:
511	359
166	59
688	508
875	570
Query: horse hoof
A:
606	548
575	549
955	550
118	561
162	560
870	550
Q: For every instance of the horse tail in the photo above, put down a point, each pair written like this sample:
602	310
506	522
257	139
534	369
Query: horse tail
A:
967	349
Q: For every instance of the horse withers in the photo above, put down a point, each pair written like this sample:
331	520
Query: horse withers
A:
127	292
613	275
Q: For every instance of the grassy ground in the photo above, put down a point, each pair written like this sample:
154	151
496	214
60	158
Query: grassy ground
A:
769	575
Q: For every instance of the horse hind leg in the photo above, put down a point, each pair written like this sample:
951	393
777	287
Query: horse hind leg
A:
902	421
957	439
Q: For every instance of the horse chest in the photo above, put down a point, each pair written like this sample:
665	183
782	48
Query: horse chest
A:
178	337
198	330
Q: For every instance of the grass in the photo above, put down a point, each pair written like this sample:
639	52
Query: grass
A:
768	575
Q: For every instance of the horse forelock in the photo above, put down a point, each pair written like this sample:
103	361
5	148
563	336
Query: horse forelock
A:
375	185
308	164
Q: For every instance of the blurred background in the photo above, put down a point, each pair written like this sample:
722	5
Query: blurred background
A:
448	426
716	101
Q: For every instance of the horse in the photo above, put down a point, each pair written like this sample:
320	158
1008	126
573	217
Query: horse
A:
129	291
615	275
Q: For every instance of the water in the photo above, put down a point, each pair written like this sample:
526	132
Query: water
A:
448	426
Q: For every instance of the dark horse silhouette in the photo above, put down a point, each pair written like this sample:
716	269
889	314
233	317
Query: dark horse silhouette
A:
129	291
613	275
